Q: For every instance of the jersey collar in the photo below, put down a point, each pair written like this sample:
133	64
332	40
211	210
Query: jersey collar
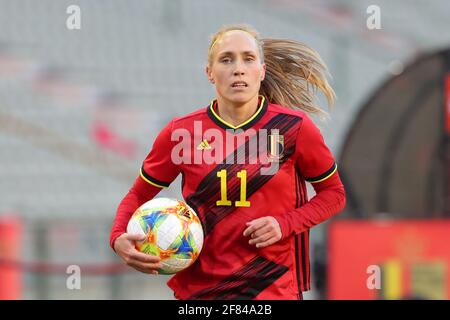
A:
244	125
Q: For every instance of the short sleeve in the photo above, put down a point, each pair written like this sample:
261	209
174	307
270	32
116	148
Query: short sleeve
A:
314	160
158	169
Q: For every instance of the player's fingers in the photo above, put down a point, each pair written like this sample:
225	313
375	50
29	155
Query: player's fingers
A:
266	243
254	225
257	222
259	232
135	237
145	266
139	256
143	270
262	238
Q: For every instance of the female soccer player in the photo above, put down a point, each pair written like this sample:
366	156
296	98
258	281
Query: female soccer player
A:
252	201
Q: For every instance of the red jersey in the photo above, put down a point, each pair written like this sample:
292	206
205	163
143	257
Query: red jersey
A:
226	180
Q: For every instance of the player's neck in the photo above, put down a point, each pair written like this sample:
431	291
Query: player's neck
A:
236	113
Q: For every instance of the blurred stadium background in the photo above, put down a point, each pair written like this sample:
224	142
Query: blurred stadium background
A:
79	110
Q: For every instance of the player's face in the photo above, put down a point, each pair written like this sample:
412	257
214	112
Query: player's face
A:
236	68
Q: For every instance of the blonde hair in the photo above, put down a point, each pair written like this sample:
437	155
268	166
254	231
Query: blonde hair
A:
294	71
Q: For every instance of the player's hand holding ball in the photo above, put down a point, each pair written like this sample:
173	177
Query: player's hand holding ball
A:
167	229
125	247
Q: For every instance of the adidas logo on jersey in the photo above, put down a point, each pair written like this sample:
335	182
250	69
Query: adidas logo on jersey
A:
204	145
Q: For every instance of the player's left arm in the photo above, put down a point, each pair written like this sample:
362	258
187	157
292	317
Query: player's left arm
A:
316	164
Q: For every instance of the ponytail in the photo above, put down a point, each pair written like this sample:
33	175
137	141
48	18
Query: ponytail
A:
294	73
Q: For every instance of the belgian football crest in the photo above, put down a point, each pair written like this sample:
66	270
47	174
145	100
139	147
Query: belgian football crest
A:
275	146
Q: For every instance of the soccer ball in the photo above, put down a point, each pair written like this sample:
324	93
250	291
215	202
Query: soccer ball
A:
173	232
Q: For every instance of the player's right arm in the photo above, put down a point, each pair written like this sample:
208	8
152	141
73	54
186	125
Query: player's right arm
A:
122	242
157	172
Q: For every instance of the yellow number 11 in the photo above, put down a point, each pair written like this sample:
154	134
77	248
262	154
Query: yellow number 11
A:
222	174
